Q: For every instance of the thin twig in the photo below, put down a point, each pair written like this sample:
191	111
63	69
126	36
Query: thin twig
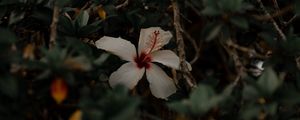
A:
251	52
291	20
125	3
53	32
195	46
277	13
281	34
276	6
240	69
179	39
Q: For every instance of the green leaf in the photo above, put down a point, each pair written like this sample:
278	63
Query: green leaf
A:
9	86
269	81
239	22
16	16
212	31
250	93
271	108
202	99
113	104
101	59
180	107
231	5
89	29
82	19
297	6
286	95
211	11
8	2
110	10
3	10
62	3
43	14
250	112
7	37
66	26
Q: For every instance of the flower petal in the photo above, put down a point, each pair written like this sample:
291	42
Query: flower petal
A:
118	46
152	39
167	58
128	75
189	66
161	85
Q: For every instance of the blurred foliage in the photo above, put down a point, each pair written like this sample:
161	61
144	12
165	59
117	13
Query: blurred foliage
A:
224	91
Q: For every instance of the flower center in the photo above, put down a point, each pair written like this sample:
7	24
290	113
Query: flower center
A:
143	60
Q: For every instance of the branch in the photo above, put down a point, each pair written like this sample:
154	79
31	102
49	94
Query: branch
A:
298	62
291	20
125	3
277	13
251	52
281	34
53	26
240	69
179	40
195	46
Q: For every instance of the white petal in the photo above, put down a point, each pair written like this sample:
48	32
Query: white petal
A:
161	85
167	58
152	39
260	64
127	75
118	46
189	66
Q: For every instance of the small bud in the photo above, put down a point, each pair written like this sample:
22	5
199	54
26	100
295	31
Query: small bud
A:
101	13
76	115
59	90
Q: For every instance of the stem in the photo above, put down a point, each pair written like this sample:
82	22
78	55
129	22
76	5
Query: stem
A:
179	40
53	26
281	34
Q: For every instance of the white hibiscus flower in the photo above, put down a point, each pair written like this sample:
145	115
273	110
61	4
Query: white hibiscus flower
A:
150	42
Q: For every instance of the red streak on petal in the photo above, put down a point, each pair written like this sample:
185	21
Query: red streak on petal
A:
154	40
59	90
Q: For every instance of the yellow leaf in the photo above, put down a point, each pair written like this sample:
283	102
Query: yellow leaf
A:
101	13
59	90
76	115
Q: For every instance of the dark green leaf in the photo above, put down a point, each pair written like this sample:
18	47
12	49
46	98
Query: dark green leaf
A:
101	59
62	3
7	37
250	112
231	5
16	17
9	2
269	81
211	11
239	22
212	31
250	93
9	86
66	26
89	29
297	6
3	11
82	19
